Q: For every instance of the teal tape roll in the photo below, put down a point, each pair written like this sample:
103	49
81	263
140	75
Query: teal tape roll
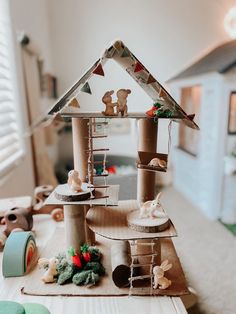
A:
35	308
9	307
18	252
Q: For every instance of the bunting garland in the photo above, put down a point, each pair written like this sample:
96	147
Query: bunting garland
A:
125	53
74	103
162	93
86	88
191	116
151	79
99	70
138	67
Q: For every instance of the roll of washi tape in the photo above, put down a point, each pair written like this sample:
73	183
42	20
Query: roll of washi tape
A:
18	254
35	308
10	307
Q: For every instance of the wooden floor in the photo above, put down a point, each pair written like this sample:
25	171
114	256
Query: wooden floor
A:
10	290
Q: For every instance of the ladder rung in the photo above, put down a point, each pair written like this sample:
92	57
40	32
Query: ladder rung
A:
98	150
140	277
98	162
140	255
140	265
98	123
140	290
98	136
100	175
99	197
101	186
143	243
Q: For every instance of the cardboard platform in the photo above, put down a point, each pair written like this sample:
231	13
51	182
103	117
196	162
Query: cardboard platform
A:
64	193
111	222
112	200
106	287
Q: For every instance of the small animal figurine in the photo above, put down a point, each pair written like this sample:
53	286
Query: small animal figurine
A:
51	272
150	209
107	100
16	219
160	281
122	107
74	181
156	162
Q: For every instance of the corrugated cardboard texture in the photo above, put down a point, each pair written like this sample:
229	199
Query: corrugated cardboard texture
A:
106	287
111	222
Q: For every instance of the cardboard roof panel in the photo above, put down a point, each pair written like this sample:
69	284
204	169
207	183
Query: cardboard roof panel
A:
124	57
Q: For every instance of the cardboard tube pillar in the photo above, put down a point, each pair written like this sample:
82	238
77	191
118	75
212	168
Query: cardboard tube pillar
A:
74	226
120	263
147	143
80	145
77	231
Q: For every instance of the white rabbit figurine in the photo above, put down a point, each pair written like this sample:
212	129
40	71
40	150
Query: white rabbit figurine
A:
159	279
156	162
52	263
74	181
150	209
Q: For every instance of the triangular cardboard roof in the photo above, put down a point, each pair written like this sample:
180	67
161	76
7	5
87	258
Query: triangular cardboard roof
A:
124	57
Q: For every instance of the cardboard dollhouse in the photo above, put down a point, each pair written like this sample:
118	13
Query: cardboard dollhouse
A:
204	169
132	239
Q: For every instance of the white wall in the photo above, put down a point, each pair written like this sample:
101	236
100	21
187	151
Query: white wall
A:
32	17
165	35
200	178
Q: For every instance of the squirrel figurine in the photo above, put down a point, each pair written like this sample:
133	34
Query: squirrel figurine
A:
107	100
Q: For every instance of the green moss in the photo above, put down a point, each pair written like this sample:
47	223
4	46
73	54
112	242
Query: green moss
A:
85	277
96	267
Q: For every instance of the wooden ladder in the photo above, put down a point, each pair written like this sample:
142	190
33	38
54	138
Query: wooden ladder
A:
92	125
134	264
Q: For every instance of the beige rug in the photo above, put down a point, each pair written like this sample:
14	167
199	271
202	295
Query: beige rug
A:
106	287
207	252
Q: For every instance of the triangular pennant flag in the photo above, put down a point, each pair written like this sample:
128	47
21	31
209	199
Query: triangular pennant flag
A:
138	67
57	117
74	103
125	53
86	88
191	116
150	79
99	70
162	93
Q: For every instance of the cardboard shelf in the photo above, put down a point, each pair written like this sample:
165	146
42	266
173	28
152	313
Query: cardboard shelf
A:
106	287
67	112
145	157
111	223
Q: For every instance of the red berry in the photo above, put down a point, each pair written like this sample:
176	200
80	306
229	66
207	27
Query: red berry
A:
87	257
76	261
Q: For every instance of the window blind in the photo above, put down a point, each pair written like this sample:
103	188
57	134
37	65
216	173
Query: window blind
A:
11	148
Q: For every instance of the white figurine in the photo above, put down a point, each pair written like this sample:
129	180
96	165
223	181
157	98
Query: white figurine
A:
156	162
152	209
51	272
159	279
74	181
